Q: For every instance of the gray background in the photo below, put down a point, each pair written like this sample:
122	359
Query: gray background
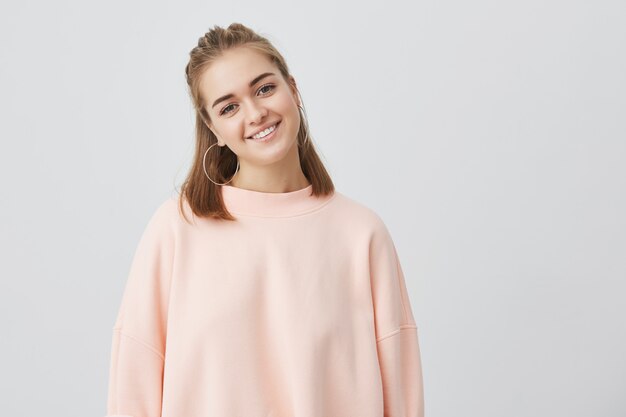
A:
489	135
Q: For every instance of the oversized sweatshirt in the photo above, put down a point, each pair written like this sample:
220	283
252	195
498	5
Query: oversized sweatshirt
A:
299	308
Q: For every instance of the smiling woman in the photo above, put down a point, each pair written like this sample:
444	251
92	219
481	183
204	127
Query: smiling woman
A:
251	128
284	298
248	108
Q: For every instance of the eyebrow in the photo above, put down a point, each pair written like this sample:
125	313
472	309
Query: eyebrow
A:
254	81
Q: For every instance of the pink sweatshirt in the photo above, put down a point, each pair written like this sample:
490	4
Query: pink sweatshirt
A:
297	309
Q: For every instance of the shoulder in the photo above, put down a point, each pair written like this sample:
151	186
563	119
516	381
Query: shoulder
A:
367	226
358	215
165	217
165	211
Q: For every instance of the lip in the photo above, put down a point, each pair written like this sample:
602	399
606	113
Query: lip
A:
270	136
263	128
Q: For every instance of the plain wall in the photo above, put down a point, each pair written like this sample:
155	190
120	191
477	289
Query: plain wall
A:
490	136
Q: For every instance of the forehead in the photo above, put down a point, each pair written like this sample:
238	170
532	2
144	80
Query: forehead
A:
232	72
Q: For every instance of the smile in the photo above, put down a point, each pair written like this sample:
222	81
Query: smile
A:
269	133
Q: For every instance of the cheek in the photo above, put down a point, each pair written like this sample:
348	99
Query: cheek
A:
290	109
284	103
233	128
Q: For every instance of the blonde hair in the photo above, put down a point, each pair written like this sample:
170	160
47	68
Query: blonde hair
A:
202	195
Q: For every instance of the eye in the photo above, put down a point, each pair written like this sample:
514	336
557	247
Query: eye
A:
271	86
267	85
224	110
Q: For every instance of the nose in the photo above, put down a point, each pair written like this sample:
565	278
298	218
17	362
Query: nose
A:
255	112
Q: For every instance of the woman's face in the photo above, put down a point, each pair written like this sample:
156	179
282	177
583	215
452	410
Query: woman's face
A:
241	99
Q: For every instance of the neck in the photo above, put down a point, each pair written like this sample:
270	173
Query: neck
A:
281	176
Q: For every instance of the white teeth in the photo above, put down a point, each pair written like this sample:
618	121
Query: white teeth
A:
264	133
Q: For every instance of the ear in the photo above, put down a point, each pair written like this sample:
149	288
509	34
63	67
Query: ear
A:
294	90
219	143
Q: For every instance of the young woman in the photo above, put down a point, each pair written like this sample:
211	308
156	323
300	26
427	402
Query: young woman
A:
260	291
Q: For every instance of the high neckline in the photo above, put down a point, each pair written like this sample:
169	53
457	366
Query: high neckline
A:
266	204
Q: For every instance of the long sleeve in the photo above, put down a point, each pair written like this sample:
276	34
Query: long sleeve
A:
138	343
396	331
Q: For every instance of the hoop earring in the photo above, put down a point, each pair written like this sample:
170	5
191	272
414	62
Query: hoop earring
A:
207	175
